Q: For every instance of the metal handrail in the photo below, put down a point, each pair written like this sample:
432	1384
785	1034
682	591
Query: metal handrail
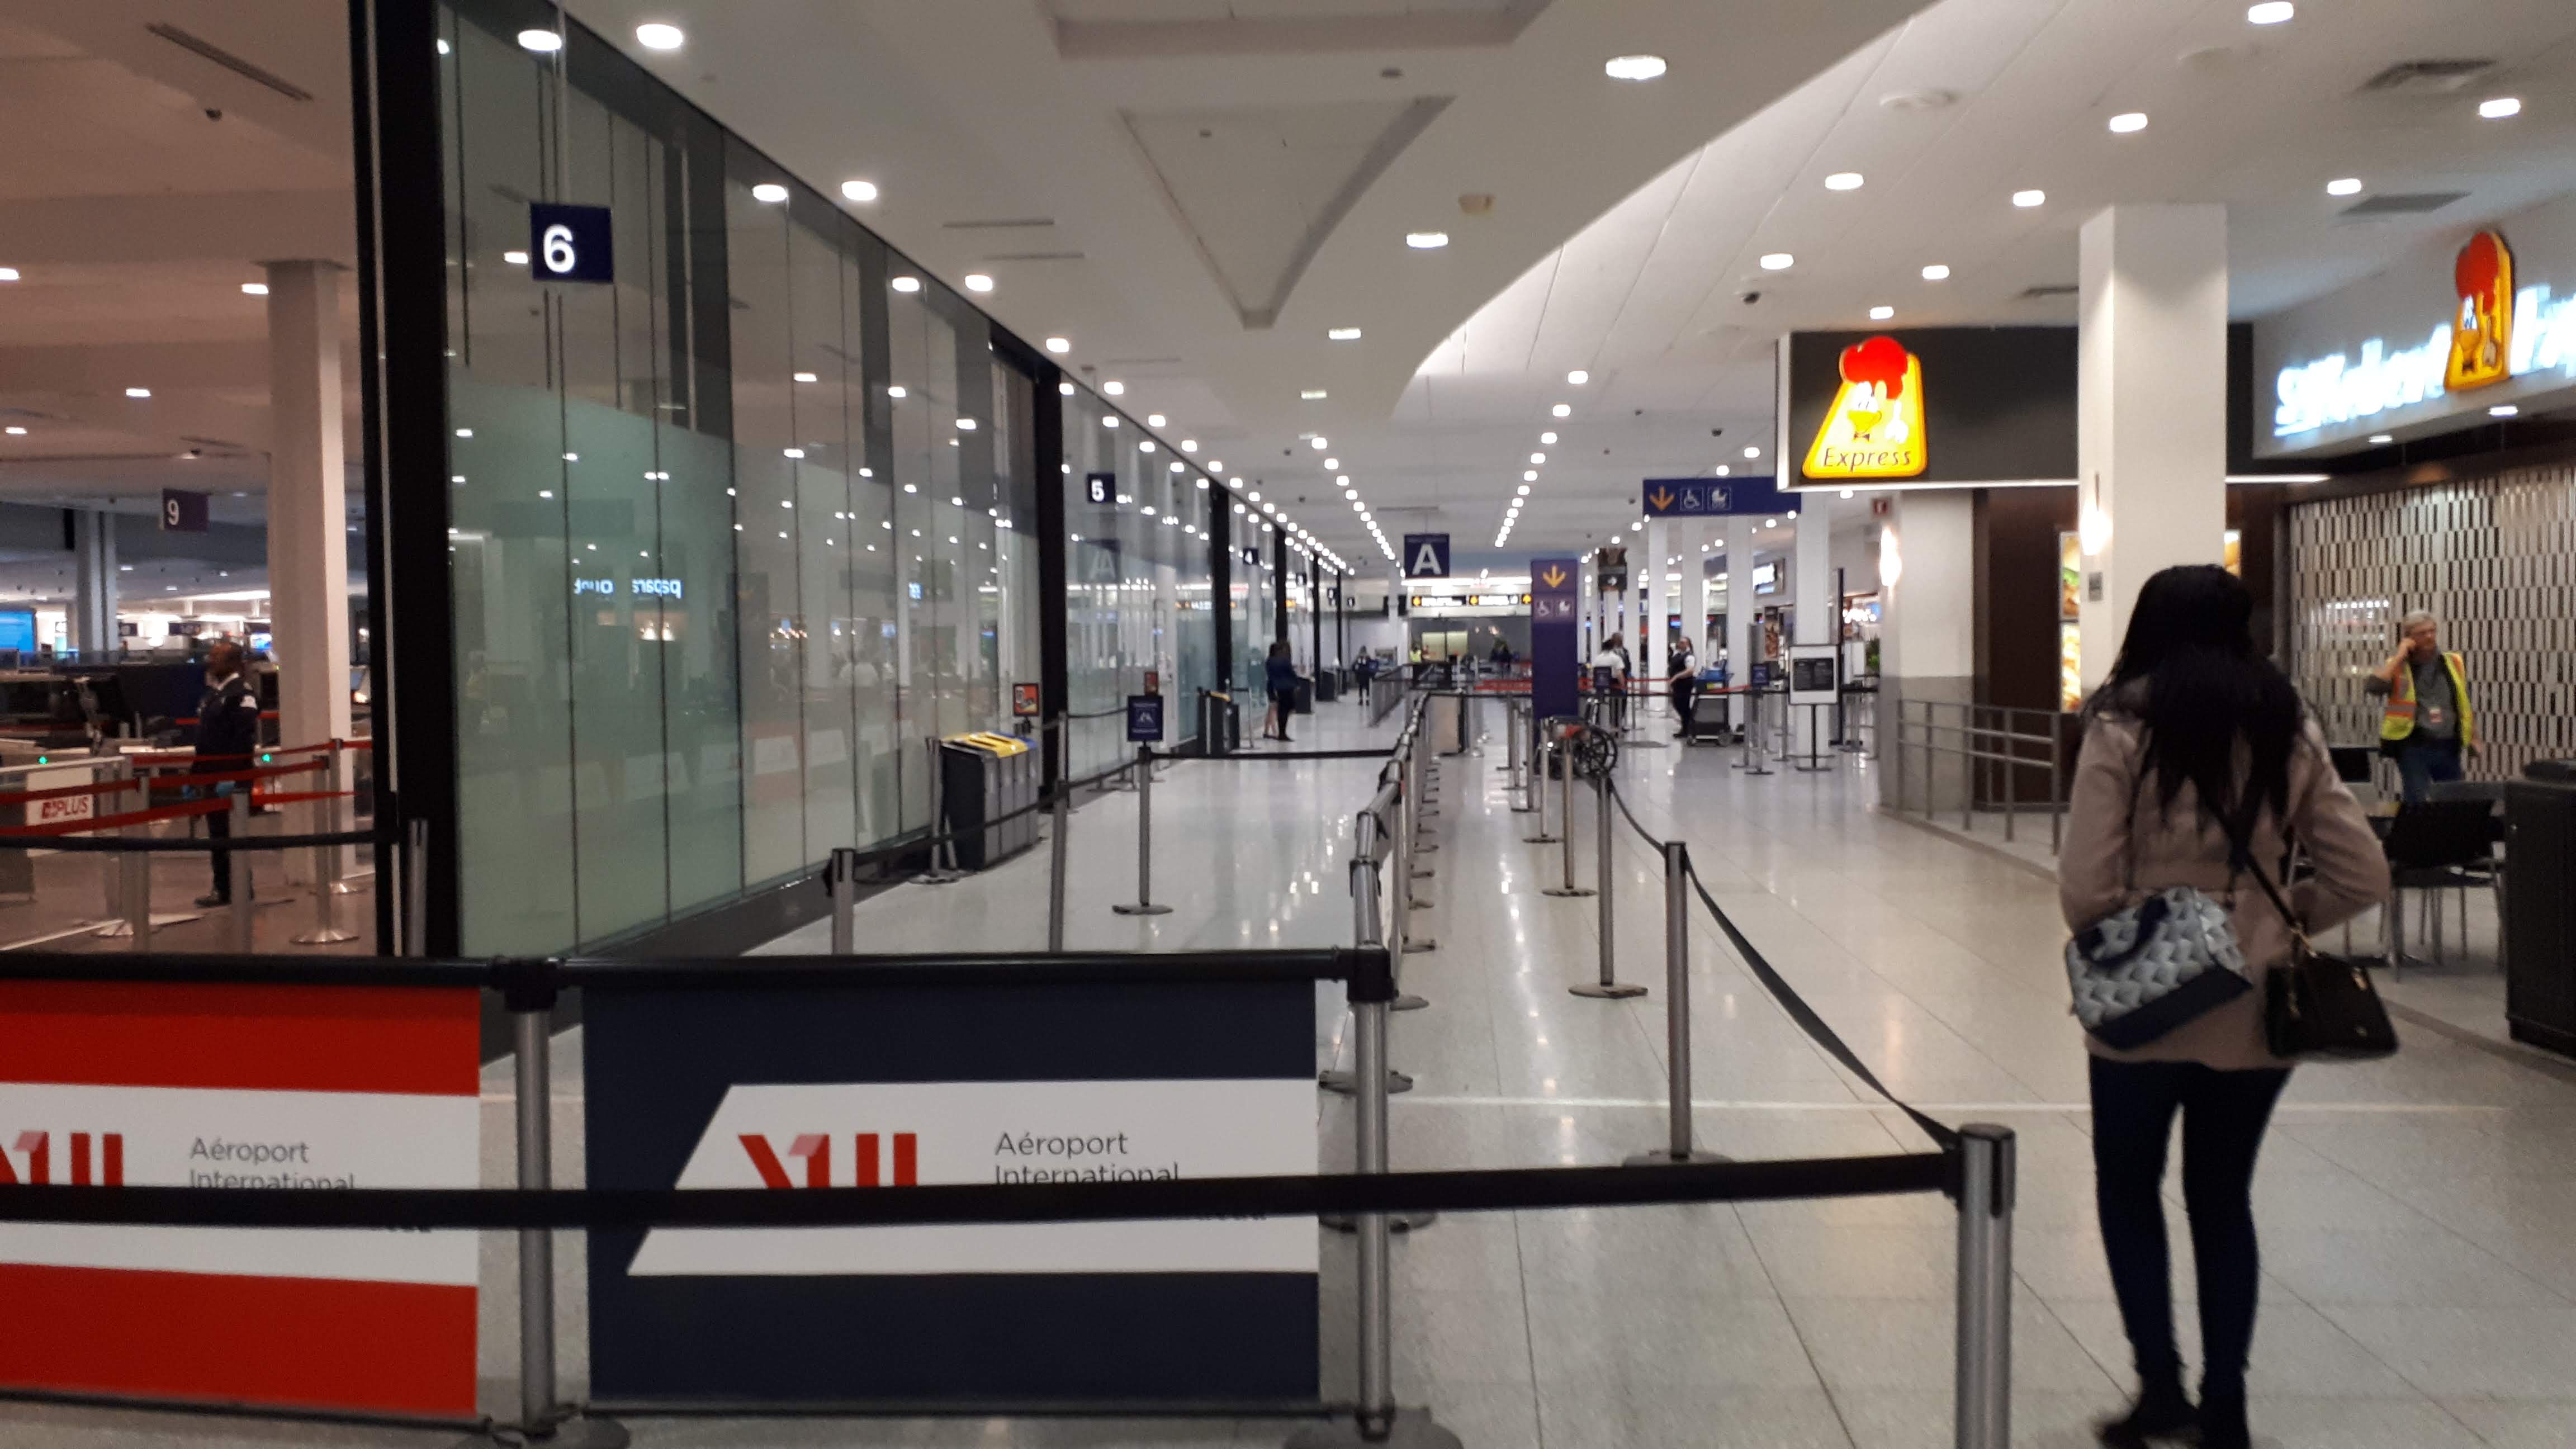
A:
1985	769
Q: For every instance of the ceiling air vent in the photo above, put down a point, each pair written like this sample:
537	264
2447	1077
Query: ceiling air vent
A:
2049	291
2408	203
2427	77
229	61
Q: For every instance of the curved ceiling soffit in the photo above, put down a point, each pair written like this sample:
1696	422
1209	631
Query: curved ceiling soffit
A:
1555	170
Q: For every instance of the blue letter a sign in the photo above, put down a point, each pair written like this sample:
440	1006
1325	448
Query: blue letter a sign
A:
1426	555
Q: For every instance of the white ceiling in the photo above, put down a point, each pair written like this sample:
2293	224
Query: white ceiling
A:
1626	218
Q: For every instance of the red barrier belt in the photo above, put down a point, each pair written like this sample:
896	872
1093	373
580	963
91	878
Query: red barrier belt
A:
300	796
95	787
229	777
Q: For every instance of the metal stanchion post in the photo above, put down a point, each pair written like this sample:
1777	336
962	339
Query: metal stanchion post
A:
1055	870
1543	757
134	867
943	855
542	1418
1565	817
1680	1144
1986	1171
1144	905
242	905
1607	988
841	883
415	895
333	821
326	926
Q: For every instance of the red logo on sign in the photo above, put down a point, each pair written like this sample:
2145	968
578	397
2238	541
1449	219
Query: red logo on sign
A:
815	1149
103	1168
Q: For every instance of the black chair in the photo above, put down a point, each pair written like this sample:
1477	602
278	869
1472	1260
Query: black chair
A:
2444	843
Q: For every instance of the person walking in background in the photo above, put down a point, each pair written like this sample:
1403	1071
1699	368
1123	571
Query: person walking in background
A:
1279	677
2199	765
2426	722
227	739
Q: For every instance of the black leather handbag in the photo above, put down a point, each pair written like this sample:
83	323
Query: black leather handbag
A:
2320	1007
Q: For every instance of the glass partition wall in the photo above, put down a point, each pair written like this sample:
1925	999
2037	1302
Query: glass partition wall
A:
734	537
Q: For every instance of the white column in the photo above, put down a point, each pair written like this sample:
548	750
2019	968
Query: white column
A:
1654	657
92	625
1699	587
1739	601
308	514
1927	634
1816	610
2151	407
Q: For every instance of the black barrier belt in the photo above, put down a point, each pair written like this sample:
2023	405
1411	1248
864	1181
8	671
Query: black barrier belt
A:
1787	996
1359	965
116	845
597	1209
1245	755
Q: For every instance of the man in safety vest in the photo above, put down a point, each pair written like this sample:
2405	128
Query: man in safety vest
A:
2426	721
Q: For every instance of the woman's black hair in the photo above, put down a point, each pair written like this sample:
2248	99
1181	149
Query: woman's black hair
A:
1278	647
2189	671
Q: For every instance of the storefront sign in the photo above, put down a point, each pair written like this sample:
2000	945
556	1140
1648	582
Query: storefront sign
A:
1929	405
1875	427
2449	332
285	1088
896	1087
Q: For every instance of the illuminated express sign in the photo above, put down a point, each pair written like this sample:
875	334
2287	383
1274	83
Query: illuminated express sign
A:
1874	429
2495	331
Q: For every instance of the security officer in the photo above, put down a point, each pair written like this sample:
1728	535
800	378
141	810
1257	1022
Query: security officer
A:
2426	722
227	741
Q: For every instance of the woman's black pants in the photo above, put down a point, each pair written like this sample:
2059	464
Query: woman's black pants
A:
2223	1118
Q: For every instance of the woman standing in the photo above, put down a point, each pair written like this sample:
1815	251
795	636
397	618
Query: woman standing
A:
2198	765
1279	677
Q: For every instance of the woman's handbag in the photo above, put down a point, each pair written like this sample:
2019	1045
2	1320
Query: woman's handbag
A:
2319	1007
2142	971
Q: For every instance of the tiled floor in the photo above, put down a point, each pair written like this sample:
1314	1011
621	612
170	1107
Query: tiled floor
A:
2419	1215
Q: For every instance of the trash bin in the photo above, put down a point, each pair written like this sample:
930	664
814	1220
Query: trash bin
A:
1220	723
1303	700
983	776
1328	687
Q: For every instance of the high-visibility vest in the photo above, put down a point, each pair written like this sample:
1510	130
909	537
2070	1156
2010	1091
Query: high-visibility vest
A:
2397	718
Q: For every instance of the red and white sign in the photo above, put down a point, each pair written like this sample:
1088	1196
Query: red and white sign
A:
281	1088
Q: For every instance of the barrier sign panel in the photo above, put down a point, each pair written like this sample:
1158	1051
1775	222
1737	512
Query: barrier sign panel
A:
1024	700
291	1088
1811	674
894	1087
1144	719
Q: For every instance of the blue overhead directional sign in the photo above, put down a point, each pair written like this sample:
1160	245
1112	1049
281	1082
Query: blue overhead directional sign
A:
1714	497
1556	611
1426	555
1144	719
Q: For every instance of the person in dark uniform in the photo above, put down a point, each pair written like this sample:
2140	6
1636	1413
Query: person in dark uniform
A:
227	738
1279	676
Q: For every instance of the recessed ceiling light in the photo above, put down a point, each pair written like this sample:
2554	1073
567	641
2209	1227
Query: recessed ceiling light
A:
1059	345
770	192
807	377
1424	241
2500	410
1562	410
1114	388
1153	420
1538	458
1319	443
16	431
1529	475
1633	67
654	35
543	42
1578	377
2344	186
516	259
2030	198
1189	445
1524	490
1310	394
2499	107
2128	123
978	282
906	284
1547	437
2270	12
2380	439
1723	470
1936	273
1843	181
1752	451
1778	261
8	274
897	390
1342	334
1332	464
859	190
138	392
1881	314
967	425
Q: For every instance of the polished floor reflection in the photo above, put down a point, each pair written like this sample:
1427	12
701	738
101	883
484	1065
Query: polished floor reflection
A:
2419	1215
